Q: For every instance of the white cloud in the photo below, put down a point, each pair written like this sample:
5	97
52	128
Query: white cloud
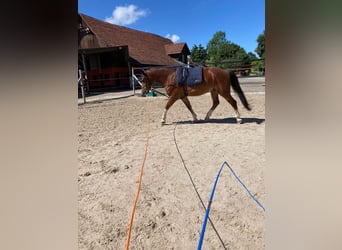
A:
174	38
124	15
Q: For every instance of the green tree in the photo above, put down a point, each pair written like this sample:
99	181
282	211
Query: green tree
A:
260	50
252	57
258	66
217	47
221	50
198	54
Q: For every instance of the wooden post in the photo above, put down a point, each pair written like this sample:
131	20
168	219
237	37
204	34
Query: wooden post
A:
85	70
133	80
81	81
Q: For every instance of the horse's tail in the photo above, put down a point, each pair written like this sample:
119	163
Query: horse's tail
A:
236	87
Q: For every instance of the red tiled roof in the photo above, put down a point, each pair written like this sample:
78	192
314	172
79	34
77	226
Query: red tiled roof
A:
146	48
176	48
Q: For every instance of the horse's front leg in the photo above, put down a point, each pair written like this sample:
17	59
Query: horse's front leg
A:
188	105
169	103
164	116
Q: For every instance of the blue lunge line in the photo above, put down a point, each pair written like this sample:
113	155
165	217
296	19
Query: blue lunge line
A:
244	186
212	196
208	209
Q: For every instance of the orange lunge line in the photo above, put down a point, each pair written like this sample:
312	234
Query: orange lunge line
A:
140	180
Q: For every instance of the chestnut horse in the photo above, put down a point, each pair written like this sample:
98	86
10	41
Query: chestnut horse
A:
215	80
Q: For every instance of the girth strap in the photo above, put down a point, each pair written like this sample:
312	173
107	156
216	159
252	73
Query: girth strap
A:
185	89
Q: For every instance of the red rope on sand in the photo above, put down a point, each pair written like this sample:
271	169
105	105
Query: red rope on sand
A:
140	180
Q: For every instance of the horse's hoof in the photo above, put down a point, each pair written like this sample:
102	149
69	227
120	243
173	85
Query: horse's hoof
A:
162	122
239	120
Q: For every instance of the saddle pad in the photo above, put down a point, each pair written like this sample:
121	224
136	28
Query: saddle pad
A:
189	76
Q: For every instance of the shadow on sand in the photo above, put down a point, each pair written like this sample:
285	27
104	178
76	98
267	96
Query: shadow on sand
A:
230	120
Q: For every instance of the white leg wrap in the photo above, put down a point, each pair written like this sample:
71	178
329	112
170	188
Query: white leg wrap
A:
164	116
194	116
238	119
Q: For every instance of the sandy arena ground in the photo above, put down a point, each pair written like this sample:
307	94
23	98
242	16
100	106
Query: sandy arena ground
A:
112	136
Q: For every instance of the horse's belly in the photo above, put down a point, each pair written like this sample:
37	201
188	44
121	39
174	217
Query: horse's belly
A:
199	90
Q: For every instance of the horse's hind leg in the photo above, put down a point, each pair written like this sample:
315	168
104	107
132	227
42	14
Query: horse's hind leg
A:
232	102
188	105
215	98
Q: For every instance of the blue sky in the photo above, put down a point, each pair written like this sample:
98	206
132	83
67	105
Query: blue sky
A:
190	21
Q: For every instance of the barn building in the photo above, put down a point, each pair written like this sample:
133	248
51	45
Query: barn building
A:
107	52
